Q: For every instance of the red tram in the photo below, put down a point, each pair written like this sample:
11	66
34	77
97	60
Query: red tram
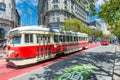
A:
27	45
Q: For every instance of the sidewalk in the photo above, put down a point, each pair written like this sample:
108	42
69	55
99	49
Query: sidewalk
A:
116	75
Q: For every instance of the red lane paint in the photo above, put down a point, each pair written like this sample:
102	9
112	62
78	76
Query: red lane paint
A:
26	70
2	60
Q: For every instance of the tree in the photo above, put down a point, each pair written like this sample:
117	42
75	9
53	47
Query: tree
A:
76	25
73	24
116	29
109	12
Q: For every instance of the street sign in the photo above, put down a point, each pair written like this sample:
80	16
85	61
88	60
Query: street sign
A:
56	26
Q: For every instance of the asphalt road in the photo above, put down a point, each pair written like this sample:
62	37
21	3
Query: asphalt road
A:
102	57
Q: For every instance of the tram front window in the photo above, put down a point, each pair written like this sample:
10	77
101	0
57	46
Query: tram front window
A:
15	40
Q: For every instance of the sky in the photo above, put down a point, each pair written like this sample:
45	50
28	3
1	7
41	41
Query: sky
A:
97	4
29	13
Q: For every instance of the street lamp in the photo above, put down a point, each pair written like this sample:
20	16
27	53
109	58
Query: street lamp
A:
46	20
30	18
41	17
21	14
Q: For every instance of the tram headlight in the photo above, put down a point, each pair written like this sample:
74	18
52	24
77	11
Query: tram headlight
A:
10	52
8	47
16	54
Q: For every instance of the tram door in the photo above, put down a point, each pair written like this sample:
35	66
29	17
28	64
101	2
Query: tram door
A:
42	49
46	48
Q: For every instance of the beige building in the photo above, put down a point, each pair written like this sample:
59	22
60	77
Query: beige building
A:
54	12
9	17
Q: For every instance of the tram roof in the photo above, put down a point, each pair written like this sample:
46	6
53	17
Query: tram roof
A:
40	28
30	28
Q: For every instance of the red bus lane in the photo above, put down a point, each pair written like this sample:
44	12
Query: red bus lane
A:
8	72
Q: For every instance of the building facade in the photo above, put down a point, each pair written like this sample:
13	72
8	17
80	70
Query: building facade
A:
9	17
52	12
97	24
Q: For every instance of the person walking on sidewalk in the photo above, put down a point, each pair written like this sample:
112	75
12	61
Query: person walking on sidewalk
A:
4	45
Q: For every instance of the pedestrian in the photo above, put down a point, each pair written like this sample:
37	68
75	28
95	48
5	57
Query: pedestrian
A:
4	45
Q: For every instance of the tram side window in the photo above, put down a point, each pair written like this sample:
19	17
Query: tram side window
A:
71	38
61	38
39	39
75	38
48	39
80	38
67	38
86	38
56	38
28	38
64	38
83	38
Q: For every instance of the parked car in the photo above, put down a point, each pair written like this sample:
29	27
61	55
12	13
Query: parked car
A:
105	42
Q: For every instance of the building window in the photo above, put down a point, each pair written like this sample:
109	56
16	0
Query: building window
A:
53	19
65	2
55	6
2	6
58	19
55	1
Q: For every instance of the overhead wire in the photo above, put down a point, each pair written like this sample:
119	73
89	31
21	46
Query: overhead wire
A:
30	7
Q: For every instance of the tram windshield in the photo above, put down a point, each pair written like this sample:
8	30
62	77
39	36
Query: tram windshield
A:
15	40
14	37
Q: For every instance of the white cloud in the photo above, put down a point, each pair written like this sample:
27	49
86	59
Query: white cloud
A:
18	1
34	2
99	3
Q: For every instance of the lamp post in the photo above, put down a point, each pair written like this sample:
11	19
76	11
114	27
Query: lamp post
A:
46	20
30	18
21	14
41	18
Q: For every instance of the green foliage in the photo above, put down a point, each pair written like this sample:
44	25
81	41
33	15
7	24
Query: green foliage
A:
110	11
105	36
116	29
78	72
78	0
76	25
